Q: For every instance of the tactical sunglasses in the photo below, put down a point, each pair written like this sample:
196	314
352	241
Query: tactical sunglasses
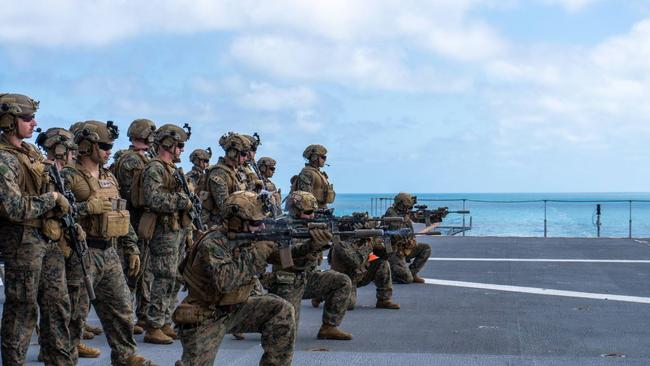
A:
272	168
181	145
255	223
104	146
324	157
308	212
243	153
27	117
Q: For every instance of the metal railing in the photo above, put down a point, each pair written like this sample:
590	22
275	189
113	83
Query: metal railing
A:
379	205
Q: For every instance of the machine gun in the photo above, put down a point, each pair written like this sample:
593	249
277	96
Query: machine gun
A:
69	224
423	214
195	211
284	236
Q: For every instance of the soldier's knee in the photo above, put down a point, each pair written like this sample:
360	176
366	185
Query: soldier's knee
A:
425	249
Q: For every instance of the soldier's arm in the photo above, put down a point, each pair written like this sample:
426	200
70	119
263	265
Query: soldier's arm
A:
125	173
228	272
155	198
298	250
219	189
129	242
16	206
305	181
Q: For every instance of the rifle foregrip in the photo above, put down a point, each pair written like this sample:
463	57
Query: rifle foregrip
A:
367	233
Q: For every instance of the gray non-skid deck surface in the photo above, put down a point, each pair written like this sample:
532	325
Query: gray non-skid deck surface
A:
443	325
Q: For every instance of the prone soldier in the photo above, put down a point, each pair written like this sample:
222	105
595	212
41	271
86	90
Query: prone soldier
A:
406	248
220	275
29	211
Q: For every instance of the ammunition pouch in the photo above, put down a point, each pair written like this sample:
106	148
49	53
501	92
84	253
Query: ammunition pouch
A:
188	314
330	194
114	224
147	225
284	277
238	296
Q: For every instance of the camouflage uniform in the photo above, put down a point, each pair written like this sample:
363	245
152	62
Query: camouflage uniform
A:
311	179
25	203
267	169
196	176
406	250
220	274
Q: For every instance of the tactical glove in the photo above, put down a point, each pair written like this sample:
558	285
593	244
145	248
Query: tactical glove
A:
134	265
319	238
99	205
263	249
61	203
184	202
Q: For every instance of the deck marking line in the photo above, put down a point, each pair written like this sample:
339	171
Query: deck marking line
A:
539	291
540	260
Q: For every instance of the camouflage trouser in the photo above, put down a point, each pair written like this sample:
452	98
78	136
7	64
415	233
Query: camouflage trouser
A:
379	273
268	314
403	273
112	303
140	286
54	315
166	249
332	286
80	304
24	254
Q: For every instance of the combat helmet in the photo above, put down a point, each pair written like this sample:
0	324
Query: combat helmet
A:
168	135
265	163
314	150
89	133
141	129
15	105
404	201
199	154
301	202
254	141
57	141
241	208
234	145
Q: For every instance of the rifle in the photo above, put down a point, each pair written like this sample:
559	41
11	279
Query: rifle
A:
423	214
265	194
195	211
69	223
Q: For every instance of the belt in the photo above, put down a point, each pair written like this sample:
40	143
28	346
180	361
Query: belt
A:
97	243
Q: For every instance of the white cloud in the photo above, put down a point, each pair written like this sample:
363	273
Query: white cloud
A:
571	5
271	98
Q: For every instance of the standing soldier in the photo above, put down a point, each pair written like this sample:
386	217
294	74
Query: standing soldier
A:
168	205
59	146
304	281
129	164
224	178
311	179
220	273
267	169
406	249
253	182
105	220
30	228
200	162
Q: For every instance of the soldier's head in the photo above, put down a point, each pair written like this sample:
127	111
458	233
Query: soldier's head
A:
253	141
201	158
302	205
266	166
316	155
404	201
95	140
170	141
17	115
58	143
236	148
243	211
141	133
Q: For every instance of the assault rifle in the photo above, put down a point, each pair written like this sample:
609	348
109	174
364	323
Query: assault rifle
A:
195	211
284	236
423	214
69	224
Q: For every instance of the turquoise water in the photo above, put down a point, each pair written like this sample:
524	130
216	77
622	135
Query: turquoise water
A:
508	218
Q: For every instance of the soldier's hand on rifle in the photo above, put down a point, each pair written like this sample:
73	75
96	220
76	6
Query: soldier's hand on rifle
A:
319	237
263	249
81	234
184	202
61	203
99	205
134	265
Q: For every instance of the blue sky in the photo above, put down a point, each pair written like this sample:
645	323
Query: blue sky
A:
421	96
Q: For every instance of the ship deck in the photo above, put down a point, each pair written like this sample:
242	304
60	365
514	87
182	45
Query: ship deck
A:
487	301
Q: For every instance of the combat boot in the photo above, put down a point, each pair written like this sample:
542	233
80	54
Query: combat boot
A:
87	352
137	360
386	304
156	336
87	335
93	329
331	332
315	302
138	328
417	279
169	331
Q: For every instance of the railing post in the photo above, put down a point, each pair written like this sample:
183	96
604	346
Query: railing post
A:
630	223
545	222
464	216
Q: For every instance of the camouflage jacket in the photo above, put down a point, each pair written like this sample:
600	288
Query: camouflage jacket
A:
194	176
125	167
223	180
163	192
400	243
315	181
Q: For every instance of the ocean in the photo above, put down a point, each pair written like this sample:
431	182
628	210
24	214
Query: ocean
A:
522	214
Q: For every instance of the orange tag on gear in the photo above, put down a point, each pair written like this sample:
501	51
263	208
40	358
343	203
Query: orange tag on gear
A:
372	257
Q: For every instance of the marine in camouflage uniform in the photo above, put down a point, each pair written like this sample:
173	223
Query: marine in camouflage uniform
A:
253	182
200	162
406	249
303	281
165	200
267	169
312	179
58	144
220	273
224	178
103	215
129	162
28	207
